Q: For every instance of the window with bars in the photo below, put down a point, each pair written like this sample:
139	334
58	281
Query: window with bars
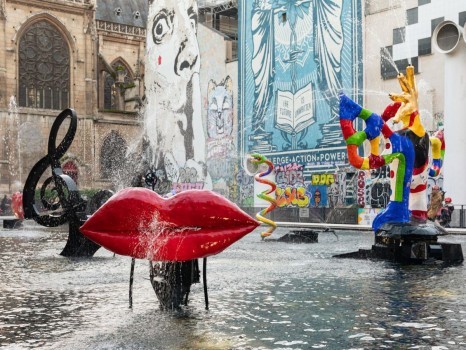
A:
113	88
44	68
110	98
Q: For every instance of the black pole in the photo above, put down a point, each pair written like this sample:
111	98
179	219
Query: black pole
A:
462	216
204	280
131	279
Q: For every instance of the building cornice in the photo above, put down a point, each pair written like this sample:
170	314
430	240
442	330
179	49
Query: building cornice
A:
69	6
112	29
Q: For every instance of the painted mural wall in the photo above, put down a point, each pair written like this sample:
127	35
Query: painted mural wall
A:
190	123
175	136
295	57
219	91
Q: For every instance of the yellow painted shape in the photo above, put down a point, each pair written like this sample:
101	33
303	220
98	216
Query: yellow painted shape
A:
365	164
436	147
417	126
375	146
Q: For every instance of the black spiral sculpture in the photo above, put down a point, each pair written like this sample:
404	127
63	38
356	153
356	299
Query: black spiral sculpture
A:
70	206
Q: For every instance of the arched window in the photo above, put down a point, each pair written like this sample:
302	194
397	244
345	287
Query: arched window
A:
44	68
110	98
112	155
115	86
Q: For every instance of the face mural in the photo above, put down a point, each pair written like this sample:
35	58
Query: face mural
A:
221	152
173	122
220	111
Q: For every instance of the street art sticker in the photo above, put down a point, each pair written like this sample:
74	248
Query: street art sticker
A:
333	186
289	175
367	215
245	185
292	197
373	187
318	196
291	190
295	57
361	188
378	187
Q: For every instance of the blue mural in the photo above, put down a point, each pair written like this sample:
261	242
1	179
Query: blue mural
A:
295	56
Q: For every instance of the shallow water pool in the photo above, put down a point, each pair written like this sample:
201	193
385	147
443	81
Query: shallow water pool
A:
262	295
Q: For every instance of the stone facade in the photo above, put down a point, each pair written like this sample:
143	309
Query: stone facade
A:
103	38
95	44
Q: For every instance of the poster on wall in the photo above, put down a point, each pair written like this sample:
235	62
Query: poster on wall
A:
367	215
295	56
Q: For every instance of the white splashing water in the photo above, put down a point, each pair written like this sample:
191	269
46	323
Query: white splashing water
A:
154	237
13	147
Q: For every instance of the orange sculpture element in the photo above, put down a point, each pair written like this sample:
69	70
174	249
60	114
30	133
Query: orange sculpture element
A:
256	159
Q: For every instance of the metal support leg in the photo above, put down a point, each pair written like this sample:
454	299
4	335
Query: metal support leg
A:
131	279
204	280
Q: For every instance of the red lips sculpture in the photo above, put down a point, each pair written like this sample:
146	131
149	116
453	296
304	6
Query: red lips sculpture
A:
192	224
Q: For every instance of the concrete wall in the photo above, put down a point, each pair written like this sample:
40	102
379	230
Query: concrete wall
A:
381	19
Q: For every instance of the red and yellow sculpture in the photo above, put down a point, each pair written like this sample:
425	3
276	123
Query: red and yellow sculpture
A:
265	195
406	150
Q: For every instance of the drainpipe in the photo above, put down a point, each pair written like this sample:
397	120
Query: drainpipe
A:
450	40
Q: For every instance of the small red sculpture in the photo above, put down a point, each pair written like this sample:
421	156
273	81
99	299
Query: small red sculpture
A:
17	205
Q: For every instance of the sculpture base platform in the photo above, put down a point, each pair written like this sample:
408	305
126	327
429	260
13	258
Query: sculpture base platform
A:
12	223
410	244
78	245
298	236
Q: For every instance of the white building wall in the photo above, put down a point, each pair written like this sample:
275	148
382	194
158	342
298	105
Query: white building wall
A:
381	18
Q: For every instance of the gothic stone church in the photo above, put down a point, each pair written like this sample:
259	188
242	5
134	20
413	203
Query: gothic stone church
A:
82	54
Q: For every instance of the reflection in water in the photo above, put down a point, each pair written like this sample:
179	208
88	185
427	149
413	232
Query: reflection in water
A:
263	295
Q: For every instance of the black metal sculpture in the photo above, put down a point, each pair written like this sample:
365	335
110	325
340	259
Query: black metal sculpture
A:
70	206
171	281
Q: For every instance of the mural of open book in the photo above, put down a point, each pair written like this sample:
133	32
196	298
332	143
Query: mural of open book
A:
295	112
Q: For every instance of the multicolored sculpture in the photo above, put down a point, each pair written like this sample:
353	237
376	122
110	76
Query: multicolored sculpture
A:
406	150
402	233
258	159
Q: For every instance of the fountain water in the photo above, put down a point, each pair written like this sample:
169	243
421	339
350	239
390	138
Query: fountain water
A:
12	147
